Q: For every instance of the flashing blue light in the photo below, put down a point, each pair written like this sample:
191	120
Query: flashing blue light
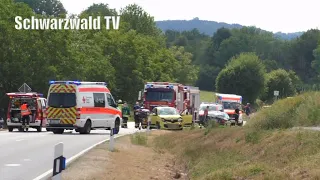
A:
76	82
51	82
41	95
149	85
171	86
220	97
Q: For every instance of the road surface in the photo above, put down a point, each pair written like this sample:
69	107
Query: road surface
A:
27	155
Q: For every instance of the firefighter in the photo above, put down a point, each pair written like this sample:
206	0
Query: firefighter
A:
120	104
25	115
125	115
136	109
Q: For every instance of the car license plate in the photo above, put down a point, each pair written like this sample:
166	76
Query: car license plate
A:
54	121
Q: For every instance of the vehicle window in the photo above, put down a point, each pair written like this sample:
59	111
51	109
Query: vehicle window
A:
62	100
211	108
110	100
231	105
17	102
168	111
99	100
159	95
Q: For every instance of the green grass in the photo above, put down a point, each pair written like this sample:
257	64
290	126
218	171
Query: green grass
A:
139	139
207	96
265	149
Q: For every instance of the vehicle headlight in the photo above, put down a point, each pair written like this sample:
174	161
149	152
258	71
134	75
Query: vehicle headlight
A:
180	120
162	119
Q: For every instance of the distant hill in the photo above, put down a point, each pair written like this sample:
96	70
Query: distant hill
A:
210	27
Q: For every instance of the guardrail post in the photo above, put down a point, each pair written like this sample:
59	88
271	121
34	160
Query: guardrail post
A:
111	141
59	162
149	123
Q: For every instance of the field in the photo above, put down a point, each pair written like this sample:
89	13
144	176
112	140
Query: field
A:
207	96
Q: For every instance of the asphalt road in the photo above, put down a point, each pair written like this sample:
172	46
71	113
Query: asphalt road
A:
25	156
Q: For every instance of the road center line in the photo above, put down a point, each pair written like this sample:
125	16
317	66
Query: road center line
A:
12	165
19	139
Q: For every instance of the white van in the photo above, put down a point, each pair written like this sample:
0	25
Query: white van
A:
82	106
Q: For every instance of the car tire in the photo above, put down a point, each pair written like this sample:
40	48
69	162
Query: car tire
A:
10	129
158	125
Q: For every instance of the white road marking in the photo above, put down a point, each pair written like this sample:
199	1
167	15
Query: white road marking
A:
27	160
19	140
12	165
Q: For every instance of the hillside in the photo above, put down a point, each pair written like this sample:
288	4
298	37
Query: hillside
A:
209	27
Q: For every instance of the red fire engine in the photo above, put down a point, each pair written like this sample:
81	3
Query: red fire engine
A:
37	106
169	94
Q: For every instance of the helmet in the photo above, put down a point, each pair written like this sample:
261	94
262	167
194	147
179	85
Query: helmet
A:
119	101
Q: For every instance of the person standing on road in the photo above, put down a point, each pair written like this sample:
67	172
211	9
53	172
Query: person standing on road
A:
237	115
136	117
125	114
25	115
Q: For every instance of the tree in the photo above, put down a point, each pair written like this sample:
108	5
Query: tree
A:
244	75
46	7
279	80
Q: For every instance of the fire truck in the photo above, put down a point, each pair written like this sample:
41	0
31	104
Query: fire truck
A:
37	105
169	94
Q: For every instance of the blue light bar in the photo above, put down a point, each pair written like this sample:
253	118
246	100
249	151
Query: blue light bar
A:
149	85
170	86
51	82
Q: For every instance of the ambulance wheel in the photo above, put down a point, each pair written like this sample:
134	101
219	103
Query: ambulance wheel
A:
57	131
87	128
10	129
47	129
117	126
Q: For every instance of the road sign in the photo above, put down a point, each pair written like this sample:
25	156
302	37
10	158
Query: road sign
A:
276	93
25	88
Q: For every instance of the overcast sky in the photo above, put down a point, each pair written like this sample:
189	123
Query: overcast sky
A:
272	15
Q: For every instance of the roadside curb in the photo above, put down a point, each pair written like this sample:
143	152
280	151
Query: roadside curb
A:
46	175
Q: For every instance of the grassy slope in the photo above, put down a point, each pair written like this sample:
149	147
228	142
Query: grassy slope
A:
265	149
206	96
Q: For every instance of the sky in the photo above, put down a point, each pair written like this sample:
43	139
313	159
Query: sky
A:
272	15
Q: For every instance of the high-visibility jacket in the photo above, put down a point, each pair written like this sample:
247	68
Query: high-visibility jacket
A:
24	110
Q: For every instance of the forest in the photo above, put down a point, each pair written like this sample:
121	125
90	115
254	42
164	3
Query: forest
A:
246	60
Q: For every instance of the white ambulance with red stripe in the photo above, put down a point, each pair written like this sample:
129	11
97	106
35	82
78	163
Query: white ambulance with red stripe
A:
230	102
82	106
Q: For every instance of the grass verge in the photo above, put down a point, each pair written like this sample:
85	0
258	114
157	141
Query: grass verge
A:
268	148
139	139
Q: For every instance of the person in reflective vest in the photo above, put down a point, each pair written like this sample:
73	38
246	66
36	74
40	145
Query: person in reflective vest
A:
25	115
125	114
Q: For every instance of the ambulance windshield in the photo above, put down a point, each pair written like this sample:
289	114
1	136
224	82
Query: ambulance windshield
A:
159	94
62	100
231	105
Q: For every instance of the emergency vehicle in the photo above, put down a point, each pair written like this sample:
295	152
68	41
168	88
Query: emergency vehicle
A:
230	102
37	105
163	94
82	106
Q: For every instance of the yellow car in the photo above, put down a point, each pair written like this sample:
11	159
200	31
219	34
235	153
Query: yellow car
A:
166	118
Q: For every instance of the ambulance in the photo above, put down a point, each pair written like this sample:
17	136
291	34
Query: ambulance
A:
230	102
37	105
81	106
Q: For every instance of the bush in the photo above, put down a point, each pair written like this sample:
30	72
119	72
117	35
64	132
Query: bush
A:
244	75
279	80
302	110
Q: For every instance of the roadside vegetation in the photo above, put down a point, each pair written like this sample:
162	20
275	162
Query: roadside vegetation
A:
266	148
207	96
